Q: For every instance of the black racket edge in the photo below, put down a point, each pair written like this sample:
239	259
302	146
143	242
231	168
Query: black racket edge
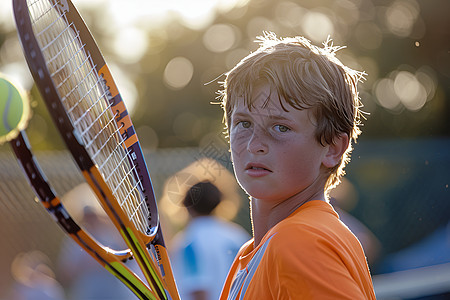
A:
46	195
42	77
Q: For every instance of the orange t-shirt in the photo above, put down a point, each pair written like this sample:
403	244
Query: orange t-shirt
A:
309	255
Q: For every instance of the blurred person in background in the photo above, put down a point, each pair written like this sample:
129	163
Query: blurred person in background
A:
82	277
203	252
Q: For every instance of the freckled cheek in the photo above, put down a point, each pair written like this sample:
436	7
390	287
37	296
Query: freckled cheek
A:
294	161
238	142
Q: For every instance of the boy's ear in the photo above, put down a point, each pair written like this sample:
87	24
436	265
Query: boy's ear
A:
336	150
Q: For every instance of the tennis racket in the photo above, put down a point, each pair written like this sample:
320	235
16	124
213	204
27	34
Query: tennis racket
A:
88	111
112	260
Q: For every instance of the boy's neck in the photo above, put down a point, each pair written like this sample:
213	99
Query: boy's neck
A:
266	214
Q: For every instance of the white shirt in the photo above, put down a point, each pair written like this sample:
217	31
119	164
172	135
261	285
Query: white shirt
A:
202	255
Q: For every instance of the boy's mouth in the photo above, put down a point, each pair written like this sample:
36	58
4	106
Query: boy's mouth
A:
257	167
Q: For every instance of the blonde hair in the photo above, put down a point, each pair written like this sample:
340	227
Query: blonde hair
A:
305	77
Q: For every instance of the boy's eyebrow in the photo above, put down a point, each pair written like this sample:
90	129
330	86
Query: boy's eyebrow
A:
240	114
279	117
255	114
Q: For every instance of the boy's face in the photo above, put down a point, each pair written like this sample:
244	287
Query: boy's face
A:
275	152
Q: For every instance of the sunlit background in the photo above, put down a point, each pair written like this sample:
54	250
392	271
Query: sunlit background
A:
168	58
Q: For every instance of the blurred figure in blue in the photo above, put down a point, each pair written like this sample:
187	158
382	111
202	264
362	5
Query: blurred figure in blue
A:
203	252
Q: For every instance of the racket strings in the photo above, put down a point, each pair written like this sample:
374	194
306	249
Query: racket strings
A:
135	212
84	96
98	136
38	9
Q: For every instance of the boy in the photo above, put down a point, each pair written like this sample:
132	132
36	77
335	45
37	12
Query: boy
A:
291	110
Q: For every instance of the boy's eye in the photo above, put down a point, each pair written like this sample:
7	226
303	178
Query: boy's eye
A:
281	128
244	124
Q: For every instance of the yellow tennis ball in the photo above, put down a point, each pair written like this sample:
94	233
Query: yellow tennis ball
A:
14	110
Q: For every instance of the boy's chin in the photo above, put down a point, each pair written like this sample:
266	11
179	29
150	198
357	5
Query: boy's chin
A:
257	190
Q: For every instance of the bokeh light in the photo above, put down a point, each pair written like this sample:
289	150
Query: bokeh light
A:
409	90
401	16
219	38
385	94
130	36
317	25
404	88
178	73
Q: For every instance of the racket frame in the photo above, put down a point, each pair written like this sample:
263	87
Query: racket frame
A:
158	274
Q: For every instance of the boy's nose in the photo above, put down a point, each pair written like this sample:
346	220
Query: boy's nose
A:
256	143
